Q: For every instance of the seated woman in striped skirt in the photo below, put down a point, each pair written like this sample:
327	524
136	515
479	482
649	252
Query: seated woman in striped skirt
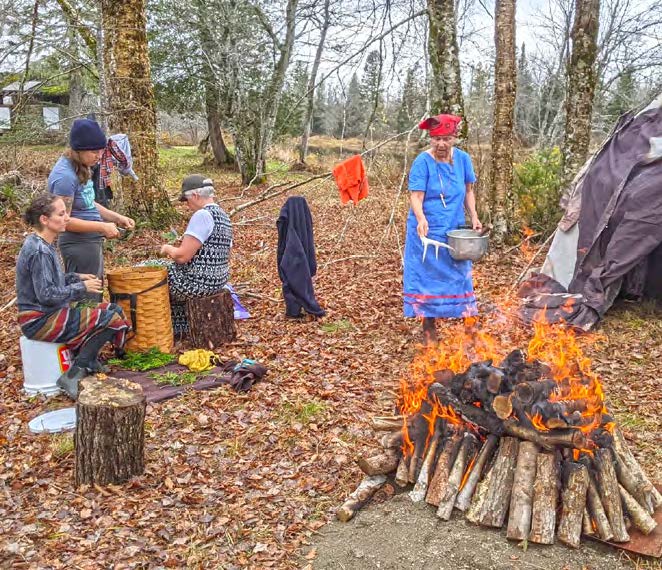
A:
45	295
200	265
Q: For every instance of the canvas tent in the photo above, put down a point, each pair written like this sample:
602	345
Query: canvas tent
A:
609	240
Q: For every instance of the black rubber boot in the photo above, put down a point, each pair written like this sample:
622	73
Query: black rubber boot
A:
69	381
87	356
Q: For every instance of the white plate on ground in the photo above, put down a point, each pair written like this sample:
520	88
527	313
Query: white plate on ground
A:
54	422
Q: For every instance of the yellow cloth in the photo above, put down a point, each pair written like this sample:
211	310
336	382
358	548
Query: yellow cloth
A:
199	360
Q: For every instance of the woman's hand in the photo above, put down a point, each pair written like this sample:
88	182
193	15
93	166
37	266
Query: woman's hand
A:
167	250
93	285
126	222
476	223
86	276
109	230
423	227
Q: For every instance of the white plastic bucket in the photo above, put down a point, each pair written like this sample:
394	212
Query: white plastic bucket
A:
43	363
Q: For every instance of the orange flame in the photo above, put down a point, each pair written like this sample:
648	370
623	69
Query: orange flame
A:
578	386
468	471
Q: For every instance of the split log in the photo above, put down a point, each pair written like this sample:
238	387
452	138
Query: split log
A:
545	494
534	391
447	501
402	473
419	433
437	486
417	494
503	406
611	497
211	320
519	519
494	507
391	440
634	483
466	492
494	381
597	511
638	514
388	423
110	431
574	503
366	489
630	464
381	464
469	412
549	439
477	505
587	525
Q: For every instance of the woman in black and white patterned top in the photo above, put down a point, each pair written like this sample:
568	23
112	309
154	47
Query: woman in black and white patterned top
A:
202	261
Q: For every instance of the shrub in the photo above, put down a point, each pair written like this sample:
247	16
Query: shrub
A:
537	190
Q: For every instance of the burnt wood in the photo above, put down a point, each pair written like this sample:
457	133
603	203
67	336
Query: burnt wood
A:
573	503
467	491
469	412
452	487
549	439
437	485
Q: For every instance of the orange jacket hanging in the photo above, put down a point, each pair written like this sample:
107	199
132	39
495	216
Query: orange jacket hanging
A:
351	180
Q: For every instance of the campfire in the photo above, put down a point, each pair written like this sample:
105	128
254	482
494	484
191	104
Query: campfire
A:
522	440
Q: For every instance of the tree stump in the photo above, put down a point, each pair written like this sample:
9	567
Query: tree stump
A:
211	320
110	431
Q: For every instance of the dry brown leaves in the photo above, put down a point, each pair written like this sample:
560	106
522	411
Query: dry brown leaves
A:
245	480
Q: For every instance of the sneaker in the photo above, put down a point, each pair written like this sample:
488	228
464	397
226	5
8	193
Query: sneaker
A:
69	381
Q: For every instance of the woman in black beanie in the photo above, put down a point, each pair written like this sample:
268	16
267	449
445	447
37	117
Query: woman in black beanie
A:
81	244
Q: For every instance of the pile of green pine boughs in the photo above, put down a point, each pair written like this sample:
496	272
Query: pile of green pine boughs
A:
141	361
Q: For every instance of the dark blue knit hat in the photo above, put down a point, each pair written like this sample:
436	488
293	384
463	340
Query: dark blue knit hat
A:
86	134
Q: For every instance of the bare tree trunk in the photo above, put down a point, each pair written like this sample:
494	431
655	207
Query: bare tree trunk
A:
505	82
132	107
75	80
310	94
222	156
581	86
253	160
446	96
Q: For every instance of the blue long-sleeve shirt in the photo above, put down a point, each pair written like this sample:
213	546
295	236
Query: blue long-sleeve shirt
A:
41	284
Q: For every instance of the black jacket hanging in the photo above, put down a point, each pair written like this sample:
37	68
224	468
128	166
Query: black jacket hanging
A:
296	258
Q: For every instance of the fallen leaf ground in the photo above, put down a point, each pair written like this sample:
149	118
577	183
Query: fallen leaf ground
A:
245	480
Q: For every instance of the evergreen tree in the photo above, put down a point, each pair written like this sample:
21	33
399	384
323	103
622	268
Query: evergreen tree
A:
353	120
412	101
624	96
525	104
371	92
289	120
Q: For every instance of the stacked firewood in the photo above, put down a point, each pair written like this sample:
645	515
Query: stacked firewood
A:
511	446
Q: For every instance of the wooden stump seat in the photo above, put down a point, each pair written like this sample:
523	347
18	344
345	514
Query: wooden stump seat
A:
110	431
211	320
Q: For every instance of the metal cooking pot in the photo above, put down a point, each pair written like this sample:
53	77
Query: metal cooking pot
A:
468	244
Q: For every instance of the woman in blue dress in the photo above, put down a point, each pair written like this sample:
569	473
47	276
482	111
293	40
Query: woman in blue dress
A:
441	183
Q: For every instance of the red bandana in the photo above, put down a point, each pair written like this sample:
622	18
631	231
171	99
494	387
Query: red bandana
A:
441	125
